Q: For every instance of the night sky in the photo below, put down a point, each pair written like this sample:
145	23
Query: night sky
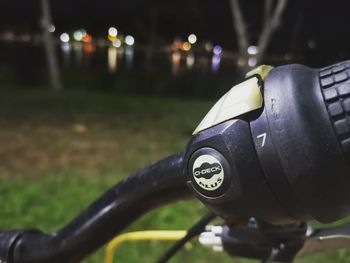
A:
325	23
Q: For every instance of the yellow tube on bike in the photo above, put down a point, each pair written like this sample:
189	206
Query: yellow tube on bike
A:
161	235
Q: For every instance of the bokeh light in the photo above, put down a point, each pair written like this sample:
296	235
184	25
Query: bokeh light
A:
87	38
51	28
190	59
192	39
64	37
78	35
208	46
117	43
186	46
252	62
253	50
129	40
215	63
112	38
112	31
217	50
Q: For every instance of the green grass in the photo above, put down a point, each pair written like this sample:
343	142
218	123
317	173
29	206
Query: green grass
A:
50	170
123	134
49	202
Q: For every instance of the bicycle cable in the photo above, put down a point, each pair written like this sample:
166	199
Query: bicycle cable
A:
195	230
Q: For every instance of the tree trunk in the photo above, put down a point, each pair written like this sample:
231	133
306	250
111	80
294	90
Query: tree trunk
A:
270	26
241	31
267	10
49	45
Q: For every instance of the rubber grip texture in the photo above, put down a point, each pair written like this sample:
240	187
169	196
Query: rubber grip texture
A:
335	86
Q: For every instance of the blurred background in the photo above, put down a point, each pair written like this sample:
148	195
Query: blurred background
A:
92	90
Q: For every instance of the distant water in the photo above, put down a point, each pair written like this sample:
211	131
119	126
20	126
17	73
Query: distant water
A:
125	70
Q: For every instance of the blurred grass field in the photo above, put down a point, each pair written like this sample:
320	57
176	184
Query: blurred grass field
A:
60	151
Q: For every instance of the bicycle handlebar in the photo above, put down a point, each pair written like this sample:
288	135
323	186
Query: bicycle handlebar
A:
276	147
158	184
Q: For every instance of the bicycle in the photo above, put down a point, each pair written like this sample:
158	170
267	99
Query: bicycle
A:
271	155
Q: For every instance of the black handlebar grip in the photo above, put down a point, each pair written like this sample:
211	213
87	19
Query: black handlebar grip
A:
336	92
302	125
157	184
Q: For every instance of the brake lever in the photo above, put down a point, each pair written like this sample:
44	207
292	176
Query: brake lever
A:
325	239
269	243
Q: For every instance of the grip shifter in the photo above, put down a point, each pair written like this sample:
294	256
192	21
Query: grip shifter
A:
336	93
285	155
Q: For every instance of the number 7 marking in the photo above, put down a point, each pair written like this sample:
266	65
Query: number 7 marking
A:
263	136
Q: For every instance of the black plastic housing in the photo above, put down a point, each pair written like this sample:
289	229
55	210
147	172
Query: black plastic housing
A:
287	160
249	193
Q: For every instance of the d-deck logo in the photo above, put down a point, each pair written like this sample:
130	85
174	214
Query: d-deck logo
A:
208	172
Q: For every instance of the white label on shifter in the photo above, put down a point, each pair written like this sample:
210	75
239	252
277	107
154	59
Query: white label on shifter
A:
208	172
